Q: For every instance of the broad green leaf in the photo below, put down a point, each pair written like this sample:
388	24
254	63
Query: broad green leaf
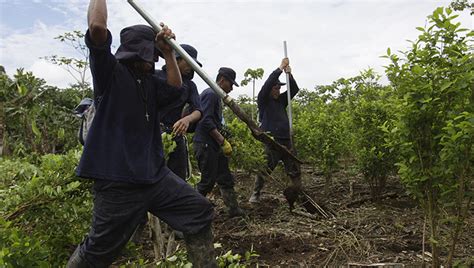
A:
417	70
21	89
61	133
35	129
446	84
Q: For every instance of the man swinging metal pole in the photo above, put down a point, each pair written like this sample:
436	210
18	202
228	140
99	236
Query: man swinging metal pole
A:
256	131
179	50
290	115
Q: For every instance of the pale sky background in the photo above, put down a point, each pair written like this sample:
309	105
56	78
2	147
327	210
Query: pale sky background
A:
326	40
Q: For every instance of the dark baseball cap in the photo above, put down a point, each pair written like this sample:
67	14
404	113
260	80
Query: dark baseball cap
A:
229	74
191	51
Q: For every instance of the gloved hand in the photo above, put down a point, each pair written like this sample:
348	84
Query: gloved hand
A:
226	148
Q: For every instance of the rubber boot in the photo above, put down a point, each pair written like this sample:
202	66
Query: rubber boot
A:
255	197
293	192
230	200
201	249
296	183
76	260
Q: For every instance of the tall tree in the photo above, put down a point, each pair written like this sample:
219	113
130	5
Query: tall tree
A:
252	75
77	67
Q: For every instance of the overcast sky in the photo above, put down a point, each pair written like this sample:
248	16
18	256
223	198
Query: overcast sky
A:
326	39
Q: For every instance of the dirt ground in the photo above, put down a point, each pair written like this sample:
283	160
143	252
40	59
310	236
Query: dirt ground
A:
361	231
357	231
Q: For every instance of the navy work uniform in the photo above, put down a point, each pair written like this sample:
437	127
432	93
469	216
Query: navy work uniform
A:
123	152
274	119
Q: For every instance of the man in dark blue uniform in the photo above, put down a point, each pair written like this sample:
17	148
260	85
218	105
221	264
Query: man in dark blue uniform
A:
172	119
274	119
210	146
123	151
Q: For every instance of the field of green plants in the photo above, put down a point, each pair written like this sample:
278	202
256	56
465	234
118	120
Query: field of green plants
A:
391	163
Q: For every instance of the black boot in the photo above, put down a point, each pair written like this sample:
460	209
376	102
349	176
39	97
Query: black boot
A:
296	182
76	260
201	249
230	200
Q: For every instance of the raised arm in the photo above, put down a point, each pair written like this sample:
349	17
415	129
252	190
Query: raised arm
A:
173	77
293	88
271	80
97	21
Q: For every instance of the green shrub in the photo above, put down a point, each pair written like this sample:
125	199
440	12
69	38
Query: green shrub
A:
51	206
433	83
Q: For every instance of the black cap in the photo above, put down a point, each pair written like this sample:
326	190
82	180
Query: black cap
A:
277	82
229	74
191	51
137	42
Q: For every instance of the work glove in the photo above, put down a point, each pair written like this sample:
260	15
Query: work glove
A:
226	148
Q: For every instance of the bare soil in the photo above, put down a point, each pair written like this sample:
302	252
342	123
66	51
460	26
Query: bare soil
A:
360	233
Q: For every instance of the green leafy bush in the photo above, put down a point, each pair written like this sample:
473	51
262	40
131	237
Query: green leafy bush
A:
41	203
18	249
247	152
320	138
38	117
370	117
433	84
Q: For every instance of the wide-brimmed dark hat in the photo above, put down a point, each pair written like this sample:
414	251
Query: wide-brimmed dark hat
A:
279	83
229	74
137	42
191	51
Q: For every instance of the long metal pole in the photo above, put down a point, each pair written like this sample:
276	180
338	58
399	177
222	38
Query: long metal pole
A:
181	52
288	91
258	133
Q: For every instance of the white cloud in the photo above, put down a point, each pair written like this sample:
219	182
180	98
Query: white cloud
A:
53	74
326	39
23	49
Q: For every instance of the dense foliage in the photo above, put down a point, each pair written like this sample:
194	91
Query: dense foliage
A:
420	125
38	200
38	118
434	87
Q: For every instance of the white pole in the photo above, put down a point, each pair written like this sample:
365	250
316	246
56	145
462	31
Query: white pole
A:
288	91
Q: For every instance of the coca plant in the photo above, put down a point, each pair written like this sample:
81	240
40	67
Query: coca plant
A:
371	111
247	152
433	82
320	133
36	118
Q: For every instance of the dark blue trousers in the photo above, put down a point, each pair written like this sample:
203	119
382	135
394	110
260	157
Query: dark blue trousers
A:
214	167
292	168
119	208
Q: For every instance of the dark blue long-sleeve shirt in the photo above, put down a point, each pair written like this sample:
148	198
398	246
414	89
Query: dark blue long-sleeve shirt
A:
122	145
172	111
211	118
272	112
